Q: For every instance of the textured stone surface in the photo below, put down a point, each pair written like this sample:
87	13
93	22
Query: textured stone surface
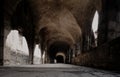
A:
18	57
53	70
109	28
105	56
15	48
13	58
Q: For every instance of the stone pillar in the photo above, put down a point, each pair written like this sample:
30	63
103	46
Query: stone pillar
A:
102	26
1	43
1	34
88	40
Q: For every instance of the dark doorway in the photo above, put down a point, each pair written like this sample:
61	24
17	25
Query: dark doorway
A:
60	59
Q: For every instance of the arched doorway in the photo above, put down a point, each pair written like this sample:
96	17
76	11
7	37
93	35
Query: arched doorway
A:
60	57
95	26
58	51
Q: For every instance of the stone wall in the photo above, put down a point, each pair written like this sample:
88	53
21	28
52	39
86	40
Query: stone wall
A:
114	25
106	56
109	21
15	58
14	51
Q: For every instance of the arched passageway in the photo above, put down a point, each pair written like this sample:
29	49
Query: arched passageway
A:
59	23
58	51
64	26
61	57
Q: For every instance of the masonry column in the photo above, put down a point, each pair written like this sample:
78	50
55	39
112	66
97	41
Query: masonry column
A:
103	26
1	36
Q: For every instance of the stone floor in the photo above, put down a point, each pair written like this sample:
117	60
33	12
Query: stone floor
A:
53	70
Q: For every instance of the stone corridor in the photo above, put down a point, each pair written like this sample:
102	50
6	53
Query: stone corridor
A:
49	32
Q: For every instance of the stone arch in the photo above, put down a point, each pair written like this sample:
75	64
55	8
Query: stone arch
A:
77	11
60	57
18	15
58	48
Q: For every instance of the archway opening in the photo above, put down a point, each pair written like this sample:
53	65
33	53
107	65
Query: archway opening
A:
37	57
16	49
60	59
55	49
95	26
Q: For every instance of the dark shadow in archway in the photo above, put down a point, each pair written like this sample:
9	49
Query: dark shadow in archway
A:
58	47
60	59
